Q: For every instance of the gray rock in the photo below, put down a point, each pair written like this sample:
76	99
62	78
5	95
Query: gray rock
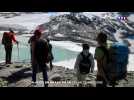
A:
56	77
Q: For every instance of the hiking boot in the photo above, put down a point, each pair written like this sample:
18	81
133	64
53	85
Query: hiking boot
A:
33	84
80	85
7	65
46	85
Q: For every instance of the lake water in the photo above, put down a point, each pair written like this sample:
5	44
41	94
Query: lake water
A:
22	52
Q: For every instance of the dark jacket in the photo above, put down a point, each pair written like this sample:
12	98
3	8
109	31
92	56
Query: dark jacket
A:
41	51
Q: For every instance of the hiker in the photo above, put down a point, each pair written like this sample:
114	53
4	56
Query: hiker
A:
39	57
7	39
101	57
50	54
111	61
32	41
84	64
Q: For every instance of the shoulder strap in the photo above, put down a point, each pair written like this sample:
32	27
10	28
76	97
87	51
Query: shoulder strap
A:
106	53
84	56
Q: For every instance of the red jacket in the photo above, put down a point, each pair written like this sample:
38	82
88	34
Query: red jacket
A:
11	37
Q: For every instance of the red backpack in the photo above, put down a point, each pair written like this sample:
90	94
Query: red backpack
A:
7	38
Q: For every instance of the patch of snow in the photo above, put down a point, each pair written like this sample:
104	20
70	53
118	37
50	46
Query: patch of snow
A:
26	35
59	35
73	30
62	13
55	27
131	18
90	14
46	31
105	15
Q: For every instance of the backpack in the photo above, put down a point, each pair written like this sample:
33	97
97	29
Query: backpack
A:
117	59
7	39
118	55
85	64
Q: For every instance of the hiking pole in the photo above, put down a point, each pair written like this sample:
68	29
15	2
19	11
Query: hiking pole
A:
24	44
18	51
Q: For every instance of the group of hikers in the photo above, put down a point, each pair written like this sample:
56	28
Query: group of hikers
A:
111	60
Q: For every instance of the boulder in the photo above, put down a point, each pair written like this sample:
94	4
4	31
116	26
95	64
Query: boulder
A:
56	77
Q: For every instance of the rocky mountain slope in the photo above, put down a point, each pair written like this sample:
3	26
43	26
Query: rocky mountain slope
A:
81	28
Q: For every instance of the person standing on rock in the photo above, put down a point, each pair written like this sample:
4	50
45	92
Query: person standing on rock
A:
32	42
7	39
40	54
84	64
101	55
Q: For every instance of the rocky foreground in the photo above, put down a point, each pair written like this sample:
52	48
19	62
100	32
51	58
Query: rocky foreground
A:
19	75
